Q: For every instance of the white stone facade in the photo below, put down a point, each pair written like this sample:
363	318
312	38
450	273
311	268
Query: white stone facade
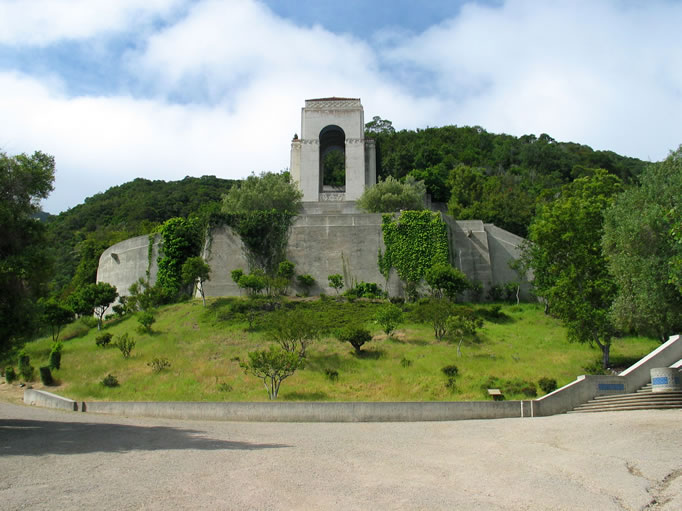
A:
326	124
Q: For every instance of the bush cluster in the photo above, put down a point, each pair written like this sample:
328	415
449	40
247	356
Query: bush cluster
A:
109	381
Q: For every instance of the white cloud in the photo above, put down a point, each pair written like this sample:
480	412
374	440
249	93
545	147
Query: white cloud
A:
41	22
605	74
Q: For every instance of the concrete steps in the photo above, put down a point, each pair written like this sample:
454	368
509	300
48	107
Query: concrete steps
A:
643	399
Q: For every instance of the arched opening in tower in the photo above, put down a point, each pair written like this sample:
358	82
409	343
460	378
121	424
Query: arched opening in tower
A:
332	159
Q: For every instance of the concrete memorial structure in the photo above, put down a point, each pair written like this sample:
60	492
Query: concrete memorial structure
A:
330	235
327	125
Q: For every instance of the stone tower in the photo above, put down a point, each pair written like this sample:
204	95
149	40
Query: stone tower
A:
332	124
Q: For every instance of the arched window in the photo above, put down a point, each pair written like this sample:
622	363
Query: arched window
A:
332	159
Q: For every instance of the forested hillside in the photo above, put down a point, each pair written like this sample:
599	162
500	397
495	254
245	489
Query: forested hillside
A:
495	178
481	175
78	236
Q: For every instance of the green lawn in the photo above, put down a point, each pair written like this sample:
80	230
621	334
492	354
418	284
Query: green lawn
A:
204	346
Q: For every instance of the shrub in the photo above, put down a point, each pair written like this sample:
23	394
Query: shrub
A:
224	387
125	344
450	371
365	290
529	390
46	375
331	374
547	384
355	335
393	195
89	321
103	340
26	370
595	367
405	362
146	319
10	375
159	364
389	317
306	282
446	281
109	381
496	293
56	355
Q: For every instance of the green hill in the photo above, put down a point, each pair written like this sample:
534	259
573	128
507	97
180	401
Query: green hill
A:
514	349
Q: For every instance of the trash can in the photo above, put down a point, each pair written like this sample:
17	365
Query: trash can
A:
665	379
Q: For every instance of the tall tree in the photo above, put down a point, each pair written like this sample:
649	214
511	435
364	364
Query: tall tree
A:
566	258
640	251
24	261
261	210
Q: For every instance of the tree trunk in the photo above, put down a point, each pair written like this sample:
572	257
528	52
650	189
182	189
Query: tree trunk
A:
605	356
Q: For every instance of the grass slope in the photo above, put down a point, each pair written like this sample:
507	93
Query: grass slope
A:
204	346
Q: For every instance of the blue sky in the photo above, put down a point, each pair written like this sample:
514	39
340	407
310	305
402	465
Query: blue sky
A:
162	89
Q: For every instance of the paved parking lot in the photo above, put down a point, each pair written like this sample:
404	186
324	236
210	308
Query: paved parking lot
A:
618	460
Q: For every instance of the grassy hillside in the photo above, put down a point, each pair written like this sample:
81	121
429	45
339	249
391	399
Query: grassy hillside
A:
204	346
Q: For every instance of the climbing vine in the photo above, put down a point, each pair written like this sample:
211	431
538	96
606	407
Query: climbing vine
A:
180	239
415	241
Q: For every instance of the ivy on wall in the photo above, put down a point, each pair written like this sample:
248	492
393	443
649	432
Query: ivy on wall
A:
180	239
415	241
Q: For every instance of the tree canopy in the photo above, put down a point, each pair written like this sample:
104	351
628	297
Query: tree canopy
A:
391	195
24	258
641	251
565	255
261	210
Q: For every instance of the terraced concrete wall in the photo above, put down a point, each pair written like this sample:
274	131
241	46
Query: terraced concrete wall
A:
324	244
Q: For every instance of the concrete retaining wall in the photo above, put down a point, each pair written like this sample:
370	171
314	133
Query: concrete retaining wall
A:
318	412
322	244
49	400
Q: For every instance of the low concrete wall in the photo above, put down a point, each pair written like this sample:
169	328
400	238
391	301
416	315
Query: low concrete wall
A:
49	400
577	393
318	412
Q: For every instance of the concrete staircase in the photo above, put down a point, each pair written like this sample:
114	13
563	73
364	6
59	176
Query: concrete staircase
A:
643	399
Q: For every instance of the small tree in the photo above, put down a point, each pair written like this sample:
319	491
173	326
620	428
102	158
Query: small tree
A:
56	316
435	313
461	323
446	281
336	282
253	282
356	335
94	298
272	366
389	317
125	344
294	330
195	271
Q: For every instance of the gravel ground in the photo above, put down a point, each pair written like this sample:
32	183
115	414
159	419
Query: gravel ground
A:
619	460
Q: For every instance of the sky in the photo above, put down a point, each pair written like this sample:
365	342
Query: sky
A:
163	89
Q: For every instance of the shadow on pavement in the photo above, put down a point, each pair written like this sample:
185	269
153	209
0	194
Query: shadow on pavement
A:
36	438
